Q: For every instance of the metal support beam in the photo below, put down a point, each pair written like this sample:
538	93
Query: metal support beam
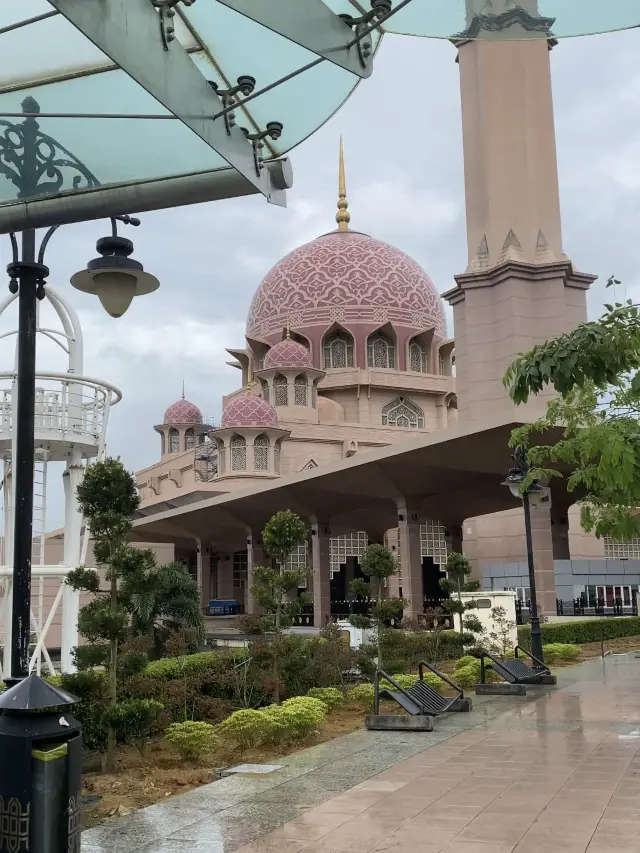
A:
158	194
128	32
310	24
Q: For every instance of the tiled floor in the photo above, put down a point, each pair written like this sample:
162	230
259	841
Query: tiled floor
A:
557	771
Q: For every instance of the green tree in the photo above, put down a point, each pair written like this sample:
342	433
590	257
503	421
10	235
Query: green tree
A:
592	421
272	584
378	564
459	570
142	598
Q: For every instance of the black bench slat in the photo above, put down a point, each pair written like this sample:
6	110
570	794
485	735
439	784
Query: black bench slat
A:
420	698
411	707
513	670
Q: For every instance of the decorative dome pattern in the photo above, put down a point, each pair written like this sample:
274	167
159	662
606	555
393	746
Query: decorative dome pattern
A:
183	412
249	411
288	353
345	277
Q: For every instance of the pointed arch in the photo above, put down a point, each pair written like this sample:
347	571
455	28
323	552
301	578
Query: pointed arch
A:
189	439
280	390
300	387
238	453
404	413
338	350
261	453
382	348
174	440
417	356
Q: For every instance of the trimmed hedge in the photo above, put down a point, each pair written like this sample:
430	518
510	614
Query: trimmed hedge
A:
583	631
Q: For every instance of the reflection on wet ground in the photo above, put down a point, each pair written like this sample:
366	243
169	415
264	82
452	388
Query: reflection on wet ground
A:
557	770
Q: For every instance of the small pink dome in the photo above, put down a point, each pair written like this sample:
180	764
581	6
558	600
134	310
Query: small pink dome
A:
183	412
249	411
288	353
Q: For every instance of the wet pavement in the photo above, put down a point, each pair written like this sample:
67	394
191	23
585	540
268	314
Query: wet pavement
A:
557	770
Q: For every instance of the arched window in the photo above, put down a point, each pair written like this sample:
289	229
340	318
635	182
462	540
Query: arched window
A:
300	386
174	440
261	453
281	390
238	453
265	390
380	351
189	439
403	413
417	357
338	351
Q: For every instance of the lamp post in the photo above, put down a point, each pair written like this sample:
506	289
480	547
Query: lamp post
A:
38	165
530	495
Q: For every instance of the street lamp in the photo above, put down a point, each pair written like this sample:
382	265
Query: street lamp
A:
530	495
38	165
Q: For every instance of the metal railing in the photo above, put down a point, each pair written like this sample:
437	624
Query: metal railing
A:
579	607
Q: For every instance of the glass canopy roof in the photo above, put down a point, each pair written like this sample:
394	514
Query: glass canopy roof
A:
106	129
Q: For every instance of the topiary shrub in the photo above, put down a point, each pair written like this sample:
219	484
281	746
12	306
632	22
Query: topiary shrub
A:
466	660
583	631
191	739
246	728
331	696
361	695
554	652
467	676
134	720
304	715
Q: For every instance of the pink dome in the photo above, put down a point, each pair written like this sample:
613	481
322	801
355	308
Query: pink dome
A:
249	411
183	412
345	277
288	353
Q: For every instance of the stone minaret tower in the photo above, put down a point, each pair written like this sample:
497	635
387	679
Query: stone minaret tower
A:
519	287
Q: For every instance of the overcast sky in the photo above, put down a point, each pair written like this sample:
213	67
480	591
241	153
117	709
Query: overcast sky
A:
403	151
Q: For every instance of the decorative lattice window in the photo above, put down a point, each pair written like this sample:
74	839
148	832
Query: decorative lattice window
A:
297	561
281	390
338	351
417	357
238	453
401	412
629	550
300	386
433	542
240	569
265	390
174	441
189	439
261	453
380	351
349	545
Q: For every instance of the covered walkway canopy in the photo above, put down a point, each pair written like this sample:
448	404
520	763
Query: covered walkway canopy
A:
449	475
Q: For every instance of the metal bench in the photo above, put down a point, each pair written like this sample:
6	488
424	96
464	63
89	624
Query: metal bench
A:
420	699
514	670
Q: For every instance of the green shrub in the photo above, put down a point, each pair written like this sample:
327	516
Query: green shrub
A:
202	663
191	738
304	715
362	695
92	689
467	676
580	631
246	728
331	696
134	720
277	729
466	660
560	651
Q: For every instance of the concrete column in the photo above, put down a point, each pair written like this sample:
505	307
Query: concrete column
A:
542	537
255	557
72	542
320	535
225	577
410	560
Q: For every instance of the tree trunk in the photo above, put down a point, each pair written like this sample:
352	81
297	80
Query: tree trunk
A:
113	678
460	605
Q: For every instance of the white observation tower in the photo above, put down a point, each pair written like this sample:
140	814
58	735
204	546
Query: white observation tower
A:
71	416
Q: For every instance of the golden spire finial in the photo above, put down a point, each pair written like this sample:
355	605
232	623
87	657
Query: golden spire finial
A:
343	217
183	389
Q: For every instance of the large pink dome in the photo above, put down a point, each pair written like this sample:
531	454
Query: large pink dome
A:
345	277
249	411
288	353
183	412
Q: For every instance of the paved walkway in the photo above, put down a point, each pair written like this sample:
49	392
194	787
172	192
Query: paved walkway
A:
558	770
